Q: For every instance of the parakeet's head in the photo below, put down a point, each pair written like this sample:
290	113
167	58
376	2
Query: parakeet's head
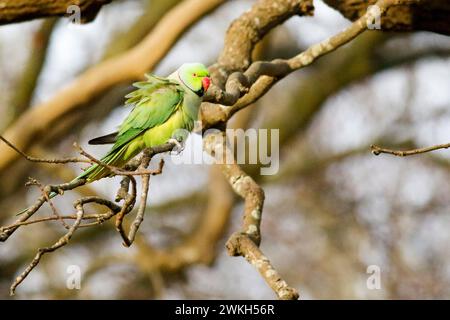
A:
195	76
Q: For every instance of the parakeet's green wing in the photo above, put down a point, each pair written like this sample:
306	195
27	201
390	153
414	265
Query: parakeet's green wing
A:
158	101
154	102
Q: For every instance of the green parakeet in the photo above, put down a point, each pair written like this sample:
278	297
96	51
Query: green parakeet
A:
161	106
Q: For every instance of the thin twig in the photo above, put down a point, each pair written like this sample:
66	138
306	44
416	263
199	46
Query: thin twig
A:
79	206
53	218
41	251
116	170
128	205
41	160
45	192
128	241
376	150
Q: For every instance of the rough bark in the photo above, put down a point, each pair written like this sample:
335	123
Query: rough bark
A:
21	10
244	33
427	15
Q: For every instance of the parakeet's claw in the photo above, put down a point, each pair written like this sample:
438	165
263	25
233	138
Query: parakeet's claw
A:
179	147
176	142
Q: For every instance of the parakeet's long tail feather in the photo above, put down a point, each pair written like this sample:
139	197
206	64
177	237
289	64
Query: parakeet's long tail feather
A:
106	139
50	196
96	171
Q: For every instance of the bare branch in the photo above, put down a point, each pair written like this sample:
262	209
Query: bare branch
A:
5	232
240	244
143	202
430	15
46	193
376	150
119	171
60	243
21	10
244	88
128	240
41	160
200	245
134	164
246	242
127	206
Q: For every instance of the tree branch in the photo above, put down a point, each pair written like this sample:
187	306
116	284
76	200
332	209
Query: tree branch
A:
139	164
12	11
200	245
246	242
376	150
428	15
244	88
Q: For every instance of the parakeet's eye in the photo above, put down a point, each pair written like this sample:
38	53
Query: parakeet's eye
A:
194	74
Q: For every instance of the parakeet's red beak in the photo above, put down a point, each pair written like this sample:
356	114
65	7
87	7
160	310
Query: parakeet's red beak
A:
206	82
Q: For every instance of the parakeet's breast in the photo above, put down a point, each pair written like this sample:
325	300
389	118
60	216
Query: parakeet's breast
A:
161	134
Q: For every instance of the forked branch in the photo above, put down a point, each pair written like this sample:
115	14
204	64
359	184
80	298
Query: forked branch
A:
246	242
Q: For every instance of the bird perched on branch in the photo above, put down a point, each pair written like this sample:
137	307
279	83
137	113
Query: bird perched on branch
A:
161	107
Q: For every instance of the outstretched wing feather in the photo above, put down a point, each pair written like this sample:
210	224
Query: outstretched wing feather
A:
162	102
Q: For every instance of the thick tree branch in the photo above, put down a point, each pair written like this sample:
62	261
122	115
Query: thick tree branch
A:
246	31
244	88
240	244
251	84
21	10
246	242
428	15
